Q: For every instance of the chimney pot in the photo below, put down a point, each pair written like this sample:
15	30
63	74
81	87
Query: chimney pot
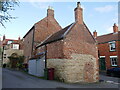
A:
50	11
95	34
115	28
78	4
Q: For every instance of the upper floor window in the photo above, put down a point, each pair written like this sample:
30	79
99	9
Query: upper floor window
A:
9	42
113	60
15	46
112	46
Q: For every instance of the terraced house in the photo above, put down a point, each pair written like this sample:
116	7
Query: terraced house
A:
67	52
109	49
11	46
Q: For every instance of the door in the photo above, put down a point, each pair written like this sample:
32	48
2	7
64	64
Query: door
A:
32	67
102	63
40	66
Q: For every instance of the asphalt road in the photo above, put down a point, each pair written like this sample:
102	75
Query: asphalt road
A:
17	79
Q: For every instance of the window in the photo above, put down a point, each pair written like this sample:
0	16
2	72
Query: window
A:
15	46
113	60
9	42
112	46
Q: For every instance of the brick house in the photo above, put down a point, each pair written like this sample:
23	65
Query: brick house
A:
11	46
39	32
67	51
109	49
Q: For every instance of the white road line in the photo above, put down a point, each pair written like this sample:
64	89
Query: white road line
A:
112	82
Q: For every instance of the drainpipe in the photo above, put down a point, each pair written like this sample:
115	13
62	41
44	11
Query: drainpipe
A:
45	56
33	41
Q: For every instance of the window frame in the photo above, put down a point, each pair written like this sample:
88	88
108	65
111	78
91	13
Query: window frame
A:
9	42
14	46
114	57
110	44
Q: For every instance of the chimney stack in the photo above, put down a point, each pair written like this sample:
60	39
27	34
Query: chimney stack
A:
4	37
115	28
95	34
19	38
50	12
78	13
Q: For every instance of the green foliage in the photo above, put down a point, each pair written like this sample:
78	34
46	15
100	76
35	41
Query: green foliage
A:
20	60
5	7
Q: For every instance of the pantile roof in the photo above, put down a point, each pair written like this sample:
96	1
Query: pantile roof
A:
108	37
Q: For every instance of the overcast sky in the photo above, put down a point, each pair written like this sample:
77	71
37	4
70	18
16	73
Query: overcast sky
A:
99	16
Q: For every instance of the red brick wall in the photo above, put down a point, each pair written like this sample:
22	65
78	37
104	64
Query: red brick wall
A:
119	53
79	41
28	40
44	28
55	50
104	50
119	48
75	42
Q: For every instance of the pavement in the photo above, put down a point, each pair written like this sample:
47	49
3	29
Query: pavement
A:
18	79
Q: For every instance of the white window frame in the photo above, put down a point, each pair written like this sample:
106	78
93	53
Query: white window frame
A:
111	57
102	56
15	46
110	45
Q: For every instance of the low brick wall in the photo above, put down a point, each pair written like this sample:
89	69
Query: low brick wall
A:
81	68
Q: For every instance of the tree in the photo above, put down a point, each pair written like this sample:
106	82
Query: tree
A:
5	7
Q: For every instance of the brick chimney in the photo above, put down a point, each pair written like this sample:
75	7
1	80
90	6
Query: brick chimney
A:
50	12
95	34
4	37
78	13
115	28
19	38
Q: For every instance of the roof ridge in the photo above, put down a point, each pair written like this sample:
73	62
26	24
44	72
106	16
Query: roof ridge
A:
69	29
60	36
105	34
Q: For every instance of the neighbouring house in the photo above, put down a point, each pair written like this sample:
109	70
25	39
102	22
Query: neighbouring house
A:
39	32
108	49
11	47
72	52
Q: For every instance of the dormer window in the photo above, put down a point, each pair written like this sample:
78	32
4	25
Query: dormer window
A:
112	46
15	46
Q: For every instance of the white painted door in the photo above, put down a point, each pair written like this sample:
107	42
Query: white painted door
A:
32	67
40	63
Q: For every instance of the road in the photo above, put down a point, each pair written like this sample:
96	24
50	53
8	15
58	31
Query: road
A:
17	79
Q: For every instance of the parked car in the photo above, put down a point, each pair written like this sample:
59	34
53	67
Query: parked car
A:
113	72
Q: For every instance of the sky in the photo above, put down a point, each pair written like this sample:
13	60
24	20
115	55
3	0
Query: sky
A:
99	16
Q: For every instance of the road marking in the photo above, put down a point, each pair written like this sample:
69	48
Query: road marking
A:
112	82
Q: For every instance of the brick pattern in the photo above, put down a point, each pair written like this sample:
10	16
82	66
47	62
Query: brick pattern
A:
77	41
104	50
28	42
55	50
43	29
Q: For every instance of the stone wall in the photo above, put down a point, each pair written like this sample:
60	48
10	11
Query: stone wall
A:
9	53
81	68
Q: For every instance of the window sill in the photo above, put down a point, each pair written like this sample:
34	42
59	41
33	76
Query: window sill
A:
113	51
